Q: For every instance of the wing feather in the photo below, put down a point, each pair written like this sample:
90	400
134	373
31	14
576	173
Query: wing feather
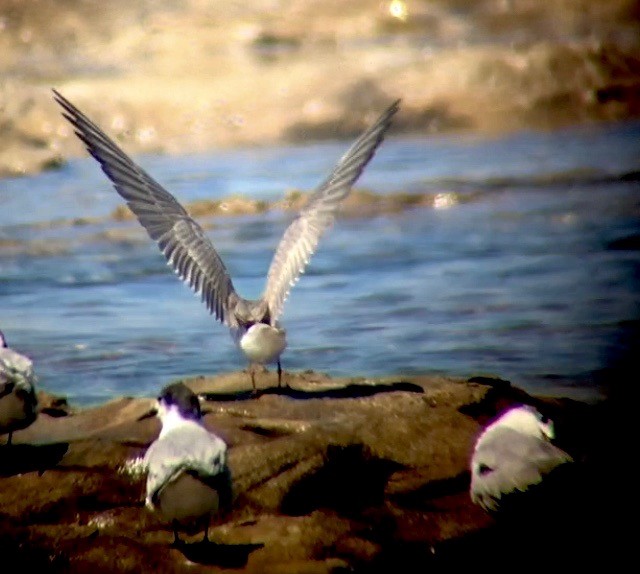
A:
182	241
191	449
300	240
508	461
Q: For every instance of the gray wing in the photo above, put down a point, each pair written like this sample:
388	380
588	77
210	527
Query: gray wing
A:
510	461
301	237
17	367
182	241
185	449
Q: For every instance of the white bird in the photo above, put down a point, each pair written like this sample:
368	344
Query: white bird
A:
253	323
188	480
513	454
18	400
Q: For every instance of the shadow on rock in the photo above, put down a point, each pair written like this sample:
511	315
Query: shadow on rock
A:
352	391
21	458
212	554
19	555
421	498
349	482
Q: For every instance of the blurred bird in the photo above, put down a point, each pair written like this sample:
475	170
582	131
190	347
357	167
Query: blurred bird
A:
253	323
513	455
18	401
188	480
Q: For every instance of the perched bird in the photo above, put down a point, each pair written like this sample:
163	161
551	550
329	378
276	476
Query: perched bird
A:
18	401
188	480
253	323
513	455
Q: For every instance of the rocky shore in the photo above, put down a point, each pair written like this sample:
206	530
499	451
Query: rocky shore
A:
182	77
330	475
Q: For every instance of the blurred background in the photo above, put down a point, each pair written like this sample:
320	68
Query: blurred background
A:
495	232
191	75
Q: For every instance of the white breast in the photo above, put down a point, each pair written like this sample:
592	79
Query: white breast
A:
263	343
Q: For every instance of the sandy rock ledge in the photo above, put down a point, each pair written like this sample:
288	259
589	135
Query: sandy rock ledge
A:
331	475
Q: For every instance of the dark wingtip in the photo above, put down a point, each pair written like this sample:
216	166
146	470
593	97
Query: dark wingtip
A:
393	108
60	99
70	113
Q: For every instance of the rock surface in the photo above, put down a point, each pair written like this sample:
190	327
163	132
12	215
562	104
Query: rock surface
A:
192	76
330	475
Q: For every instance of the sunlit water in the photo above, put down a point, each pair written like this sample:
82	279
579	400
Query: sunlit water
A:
532	276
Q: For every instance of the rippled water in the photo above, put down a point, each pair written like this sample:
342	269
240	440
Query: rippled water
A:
532	275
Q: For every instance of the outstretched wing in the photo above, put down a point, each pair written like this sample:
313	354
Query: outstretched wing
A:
182	241
301	238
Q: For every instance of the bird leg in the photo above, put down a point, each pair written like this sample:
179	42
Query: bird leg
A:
9	438
279	373
205	538
252	370
176	539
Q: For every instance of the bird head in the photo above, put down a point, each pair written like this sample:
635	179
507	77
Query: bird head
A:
528	420
180	399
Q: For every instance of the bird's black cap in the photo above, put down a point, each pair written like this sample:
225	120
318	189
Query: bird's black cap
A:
183	397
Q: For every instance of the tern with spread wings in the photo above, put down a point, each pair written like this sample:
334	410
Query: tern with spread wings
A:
253	323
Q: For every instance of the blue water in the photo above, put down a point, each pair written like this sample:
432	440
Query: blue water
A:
532	276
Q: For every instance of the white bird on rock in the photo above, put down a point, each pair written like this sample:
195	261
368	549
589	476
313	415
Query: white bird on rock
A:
18	401
253	323
513	455
188	480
